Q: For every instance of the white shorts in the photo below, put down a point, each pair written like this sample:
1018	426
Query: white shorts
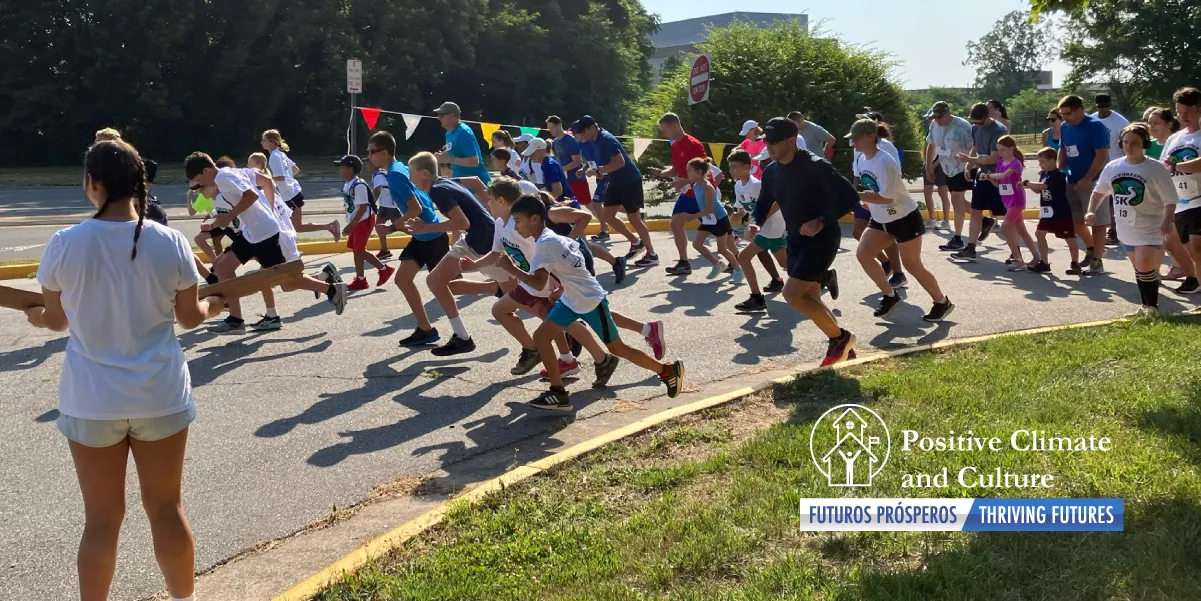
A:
100	433
460	250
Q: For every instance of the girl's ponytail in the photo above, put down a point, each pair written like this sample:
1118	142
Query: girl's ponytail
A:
115	165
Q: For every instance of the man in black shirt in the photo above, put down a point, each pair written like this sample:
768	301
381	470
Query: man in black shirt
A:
812	197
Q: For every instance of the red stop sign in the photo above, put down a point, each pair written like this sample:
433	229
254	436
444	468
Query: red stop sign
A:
699	88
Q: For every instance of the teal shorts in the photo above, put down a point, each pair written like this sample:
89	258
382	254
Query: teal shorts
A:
599	319
100	433
771	244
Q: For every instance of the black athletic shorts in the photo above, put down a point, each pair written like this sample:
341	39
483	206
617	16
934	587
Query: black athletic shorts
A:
959	183
426	253
810	257
629	197
218	232
986	196
904	229
719	229
296	202
940	178
1188	223
266	253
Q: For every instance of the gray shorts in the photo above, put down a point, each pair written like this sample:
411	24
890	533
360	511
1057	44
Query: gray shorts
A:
1104	214
100	433
387	214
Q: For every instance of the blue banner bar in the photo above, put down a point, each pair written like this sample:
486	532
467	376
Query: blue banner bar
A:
1046	515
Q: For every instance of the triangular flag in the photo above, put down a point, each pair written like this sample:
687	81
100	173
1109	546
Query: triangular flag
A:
488	129
411	122
371	116
717	150
533	131
640	145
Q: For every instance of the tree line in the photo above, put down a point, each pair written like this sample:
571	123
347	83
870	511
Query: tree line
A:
181	75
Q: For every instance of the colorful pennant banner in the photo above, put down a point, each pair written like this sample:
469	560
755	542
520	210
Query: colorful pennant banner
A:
411	122
640	145
488	129
371	116
717	150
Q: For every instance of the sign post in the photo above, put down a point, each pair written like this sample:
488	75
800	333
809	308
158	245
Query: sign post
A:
354	85
698	89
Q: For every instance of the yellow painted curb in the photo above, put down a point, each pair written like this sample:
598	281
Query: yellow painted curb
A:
380	545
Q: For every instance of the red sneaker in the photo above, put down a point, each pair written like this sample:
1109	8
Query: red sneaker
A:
657	340
566	368
385	274
358	284
840	349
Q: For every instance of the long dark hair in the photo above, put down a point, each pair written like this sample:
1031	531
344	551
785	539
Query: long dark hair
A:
116	166
1000	106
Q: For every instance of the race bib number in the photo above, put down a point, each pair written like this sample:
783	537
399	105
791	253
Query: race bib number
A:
1046	212
1188	186
891	211
709	220
1007	189
1072	151
1125	214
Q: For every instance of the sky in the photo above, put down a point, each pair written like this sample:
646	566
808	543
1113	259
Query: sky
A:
931	49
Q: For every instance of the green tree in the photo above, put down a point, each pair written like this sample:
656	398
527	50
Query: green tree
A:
1028	110
1008	58
959	99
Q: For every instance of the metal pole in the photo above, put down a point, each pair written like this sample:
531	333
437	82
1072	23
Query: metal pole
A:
354	127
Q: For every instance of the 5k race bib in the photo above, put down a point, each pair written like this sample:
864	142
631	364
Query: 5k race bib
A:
1007	189
1188	186
1072	151
1046	212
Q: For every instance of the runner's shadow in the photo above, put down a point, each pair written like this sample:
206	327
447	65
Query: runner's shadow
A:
768	334
218	360
31	357
700	299
47	417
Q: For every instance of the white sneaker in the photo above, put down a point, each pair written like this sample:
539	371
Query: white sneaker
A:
718	267
738	277
945	225
929	224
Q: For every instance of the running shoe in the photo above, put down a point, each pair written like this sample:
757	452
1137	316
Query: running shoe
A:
840	349
1111	239
1189	286
1175	274
604	371
729	268
738	277
328	274
1095	267
929	224
717	269
775	286
335	228
421	337
1039	267
1143	311
338	298
383	255
358	284
267	324
566	368
680	268
945	225
752	305
455	346
986	228
940	311
635	249
887	267
1009	261
967	254
657	339
574	345
898	280
1016	266
528	360
603	236
649	260
619	270
673	378
384	275
555	399
831	283
955	243
1074	269
886	304
228	326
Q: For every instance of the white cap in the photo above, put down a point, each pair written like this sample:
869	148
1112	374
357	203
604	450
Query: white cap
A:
747	126
535	145
762	156
523	138
528	187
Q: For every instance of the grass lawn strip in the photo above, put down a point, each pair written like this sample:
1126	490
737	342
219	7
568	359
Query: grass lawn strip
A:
705	507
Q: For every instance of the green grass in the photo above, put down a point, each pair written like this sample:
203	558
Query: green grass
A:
169	172
706	507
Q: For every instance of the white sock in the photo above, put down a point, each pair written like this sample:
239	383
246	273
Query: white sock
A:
567	357
460	330
646	330
188	598
271	312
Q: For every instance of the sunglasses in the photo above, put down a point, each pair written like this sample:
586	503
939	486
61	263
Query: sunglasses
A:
371	151
1052	119
194	187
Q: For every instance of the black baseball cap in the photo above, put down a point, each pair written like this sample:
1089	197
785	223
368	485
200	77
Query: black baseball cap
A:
351	161
582	124
779	129
1102	100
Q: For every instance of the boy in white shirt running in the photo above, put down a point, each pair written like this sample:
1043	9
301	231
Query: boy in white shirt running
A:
360	222
770	239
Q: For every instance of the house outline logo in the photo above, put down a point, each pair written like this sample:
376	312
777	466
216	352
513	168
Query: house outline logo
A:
861	445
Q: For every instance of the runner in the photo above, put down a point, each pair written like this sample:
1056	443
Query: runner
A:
124	386
389	216
948	138
933	179
684	148
462	151
753	144
623	188
583	299
812	196
769	241
1052	134
713	219
895	219
890	257
285	172
1163	123
360	222
1115	123
814	136
1055	213
997	111
1013	196
1144	206
1182	155
981	161
553	179
1083	153
571	159
501	140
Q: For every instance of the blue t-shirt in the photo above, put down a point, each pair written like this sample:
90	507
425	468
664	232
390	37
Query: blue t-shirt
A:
402	190
608	147
1083	141
565	149
448	194
553	172
461	144
719	210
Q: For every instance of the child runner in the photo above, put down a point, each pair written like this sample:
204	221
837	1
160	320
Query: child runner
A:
502	159
1054	212
571	158
502	140
1182	155
588	152
1013	196
360	221
583	299
125	386
1144	200
713	216
553	179
895	220
388	220
889	258
1163	123
770	238
285	172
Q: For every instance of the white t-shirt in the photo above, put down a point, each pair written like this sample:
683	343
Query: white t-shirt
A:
1115	123
801	144
515	160
562	258
1140	193
882	173
747	196
519	248
1184	146
379	182
123	360
361	196
287	233
280	164
221	205
888	147
258	223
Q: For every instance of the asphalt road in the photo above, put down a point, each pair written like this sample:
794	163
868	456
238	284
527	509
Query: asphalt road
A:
294	422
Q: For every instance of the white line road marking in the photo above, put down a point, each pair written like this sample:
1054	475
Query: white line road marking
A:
17	249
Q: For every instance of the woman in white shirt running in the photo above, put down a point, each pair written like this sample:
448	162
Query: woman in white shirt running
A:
119	285
285	172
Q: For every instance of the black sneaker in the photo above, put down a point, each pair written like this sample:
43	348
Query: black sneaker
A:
887	267
1111	239
1074	269
967	254
574	346
673	378
955	243
729	269
940	311
329	274
1189	286
680	268
383	255
455	346
831	283
421	337
898	280
1039	267
755	303
337	297
211	279
601	237
619	270
635	249
528	360
840	349
229	325
775	286
604	371
267	324
555	399
887	304
986	228
1009	261
648	261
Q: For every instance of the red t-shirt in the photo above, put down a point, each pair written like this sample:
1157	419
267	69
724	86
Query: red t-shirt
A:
683	150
